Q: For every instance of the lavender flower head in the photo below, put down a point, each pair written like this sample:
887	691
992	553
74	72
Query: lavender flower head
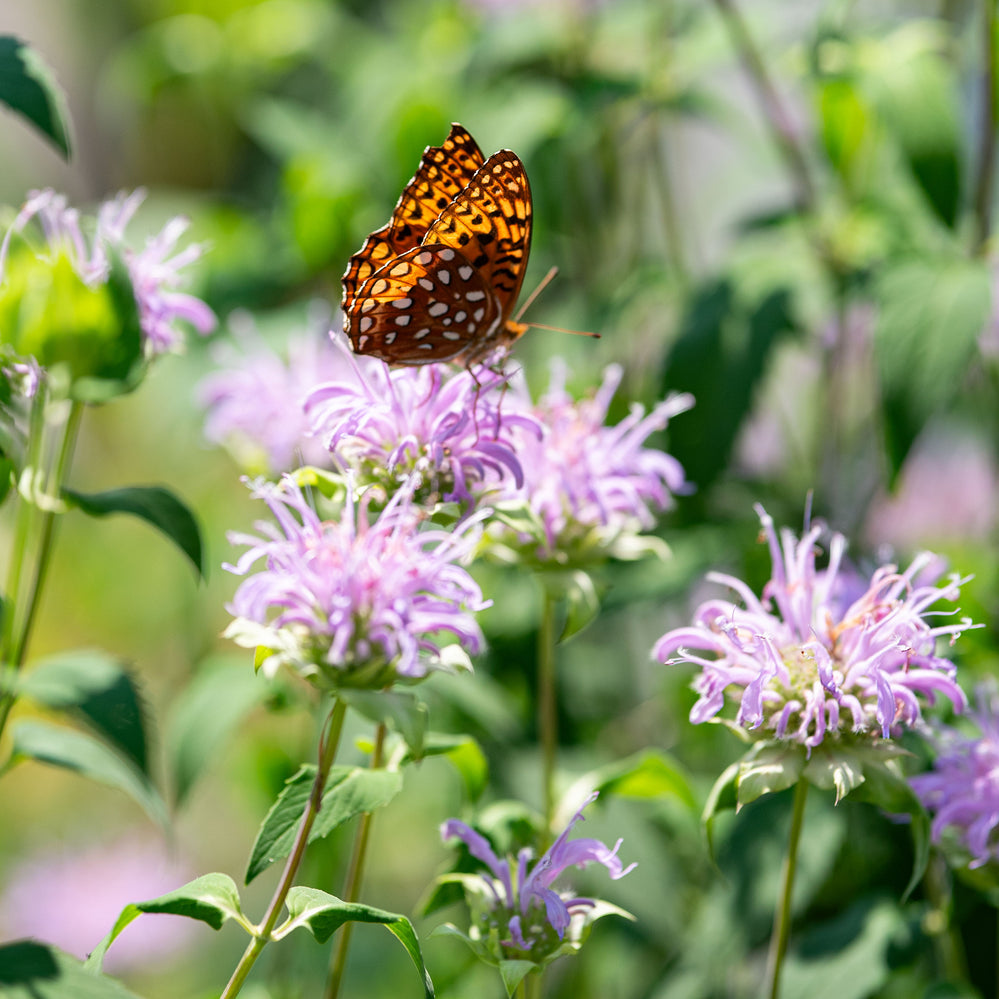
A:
256	402
516	911
962	789
355	602
448	429
819	657
590	489
155	270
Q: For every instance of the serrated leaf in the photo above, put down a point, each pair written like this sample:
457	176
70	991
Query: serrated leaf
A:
28	87
154	504
223	692
768	768
97	686
30	969
513	973
74	750
349	791
323	914
931	314
400	710
211	899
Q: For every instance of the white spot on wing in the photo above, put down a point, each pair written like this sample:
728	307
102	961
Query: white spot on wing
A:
465	272
402	321
447	254
401	303
452	335
437	309
443	276
366	323
475	296
424	258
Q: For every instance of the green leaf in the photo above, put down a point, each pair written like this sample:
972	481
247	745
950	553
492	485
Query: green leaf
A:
323	914
153	504
722	797
769	767
931	314
73	750
349	791
211	899
28	86
848	129
513	973
33	970
582	604
465	754
224	691
96	686
400	710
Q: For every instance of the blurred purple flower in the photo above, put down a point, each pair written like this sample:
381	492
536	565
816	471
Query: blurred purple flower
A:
588	486
453	431
354	602
153	271
813	658
256	402
962	789
530	916
72	898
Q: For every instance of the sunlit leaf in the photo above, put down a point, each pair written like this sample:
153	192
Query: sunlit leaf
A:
29	87
30	969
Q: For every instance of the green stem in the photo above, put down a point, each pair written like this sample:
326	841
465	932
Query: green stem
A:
355	875
262	935
532	985
782	921
547	711
985	167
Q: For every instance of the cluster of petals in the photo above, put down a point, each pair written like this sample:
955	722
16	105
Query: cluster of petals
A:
255	401
962	790
449	428
356	600
581	475
155	270
823	651
525	906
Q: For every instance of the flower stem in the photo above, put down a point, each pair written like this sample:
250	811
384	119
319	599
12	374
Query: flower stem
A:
985	167
352	884
782	921
262	936
547	711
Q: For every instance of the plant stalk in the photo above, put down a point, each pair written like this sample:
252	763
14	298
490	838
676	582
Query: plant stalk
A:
547	711
985	167
262	936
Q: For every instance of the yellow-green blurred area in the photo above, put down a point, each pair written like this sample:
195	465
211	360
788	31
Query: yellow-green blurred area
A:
286	129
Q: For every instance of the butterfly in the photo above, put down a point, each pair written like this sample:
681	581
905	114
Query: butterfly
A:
439	281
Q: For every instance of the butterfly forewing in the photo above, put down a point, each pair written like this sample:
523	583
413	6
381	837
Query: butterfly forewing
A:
444	172
428	304
489	223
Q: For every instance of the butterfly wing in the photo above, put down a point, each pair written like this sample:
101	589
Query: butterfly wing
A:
444	172
428	304
489	224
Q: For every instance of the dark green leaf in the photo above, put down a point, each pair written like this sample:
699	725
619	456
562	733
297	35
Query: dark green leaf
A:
153	504
211	899
400	710
323	914
97	686
931	313
223	692
28	86
349	791
73	750
33	970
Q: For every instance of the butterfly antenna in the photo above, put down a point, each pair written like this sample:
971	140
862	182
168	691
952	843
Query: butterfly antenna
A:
545	281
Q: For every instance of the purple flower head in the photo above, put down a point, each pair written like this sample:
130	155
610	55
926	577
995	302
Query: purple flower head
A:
523	914
155	270
256	403
589	489
448	428
962	789
356	601
821	654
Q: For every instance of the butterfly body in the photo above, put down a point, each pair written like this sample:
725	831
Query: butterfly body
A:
440	280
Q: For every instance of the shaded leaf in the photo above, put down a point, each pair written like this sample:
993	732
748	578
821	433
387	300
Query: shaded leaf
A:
400	710
514	972
28	86
74	750
96	685
323	914
153	504
33	970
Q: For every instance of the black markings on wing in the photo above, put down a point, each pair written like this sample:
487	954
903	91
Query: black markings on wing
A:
490	224
429	304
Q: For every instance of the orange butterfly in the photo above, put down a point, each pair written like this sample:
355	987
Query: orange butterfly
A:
440	280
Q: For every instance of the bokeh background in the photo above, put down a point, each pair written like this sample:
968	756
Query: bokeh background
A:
768	272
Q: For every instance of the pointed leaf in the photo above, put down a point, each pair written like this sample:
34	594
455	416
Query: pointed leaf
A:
212	899
77	751
30	969
323	914
153	504
769	767
28	86
95	685
582	605
722	797
224	691
349	791
513	973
